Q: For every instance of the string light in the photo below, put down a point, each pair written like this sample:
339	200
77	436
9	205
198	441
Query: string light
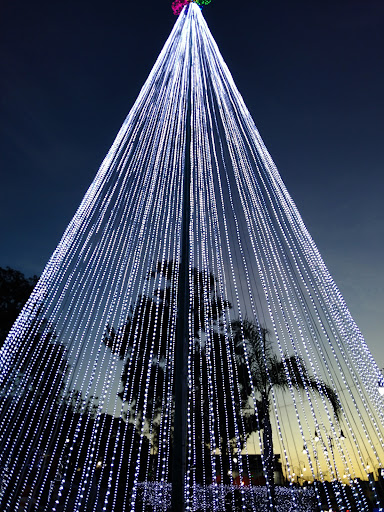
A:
87	371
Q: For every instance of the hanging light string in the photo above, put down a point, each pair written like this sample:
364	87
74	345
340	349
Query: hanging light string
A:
87	371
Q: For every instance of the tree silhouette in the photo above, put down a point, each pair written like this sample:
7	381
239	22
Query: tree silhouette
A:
15	290
269	372
144	339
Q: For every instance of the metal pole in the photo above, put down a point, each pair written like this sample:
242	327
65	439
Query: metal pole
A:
182	335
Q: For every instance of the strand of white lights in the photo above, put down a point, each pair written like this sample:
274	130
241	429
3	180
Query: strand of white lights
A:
274	399
238	238
16	447
164	238
309	323
191	465
302	329
107	493
263	461
344	382
197	374
221	268
89	383
239	310
115	403
215	230
163	259
204	343
218	266
198	145
202	269
178	157
164	437
282	270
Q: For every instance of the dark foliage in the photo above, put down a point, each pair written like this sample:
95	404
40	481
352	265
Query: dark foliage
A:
15	290
46	442
144	342
107	468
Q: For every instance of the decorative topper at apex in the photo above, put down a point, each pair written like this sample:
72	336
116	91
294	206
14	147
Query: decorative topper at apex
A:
177	5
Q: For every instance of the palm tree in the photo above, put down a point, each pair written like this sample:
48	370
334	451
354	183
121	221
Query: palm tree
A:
270	372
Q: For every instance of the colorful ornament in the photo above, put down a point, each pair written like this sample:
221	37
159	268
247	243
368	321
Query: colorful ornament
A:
177	6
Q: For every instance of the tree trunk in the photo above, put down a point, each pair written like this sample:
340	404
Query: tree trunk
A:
268	455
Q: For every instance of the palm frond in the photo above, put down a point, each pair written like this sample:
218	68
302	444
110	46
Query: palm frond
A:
302	380
269	371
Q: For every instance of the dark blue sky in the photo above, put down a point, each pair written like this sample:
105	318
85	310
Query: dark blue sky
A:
311	74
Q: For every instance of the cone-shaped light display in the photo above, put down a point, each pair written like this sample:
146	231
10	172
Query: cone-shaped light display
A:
274	361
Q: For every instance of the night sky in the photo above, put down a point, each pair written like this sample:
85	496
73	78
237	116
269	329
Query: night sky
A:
311	74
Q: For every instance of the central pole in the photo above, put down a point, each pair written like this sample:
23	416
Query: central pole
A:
179	456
